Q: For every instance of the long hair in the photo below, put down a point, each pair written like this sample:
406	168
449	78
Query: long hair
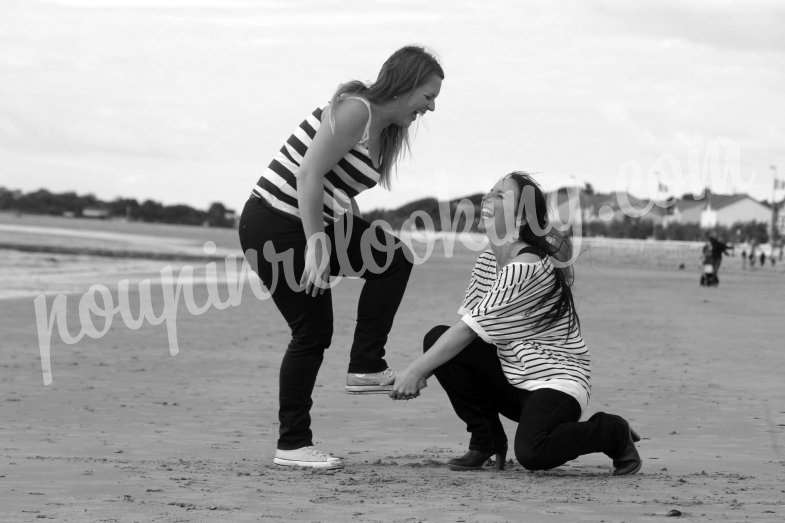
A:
406	69
536	231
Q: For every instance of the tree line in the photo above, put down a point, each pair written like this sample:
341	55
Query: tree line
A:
641	228
625	227
43	201
70	203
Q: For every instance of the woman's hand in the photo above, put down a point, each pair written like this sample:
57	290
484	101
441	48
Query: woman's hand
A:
316	273
411	381
407	385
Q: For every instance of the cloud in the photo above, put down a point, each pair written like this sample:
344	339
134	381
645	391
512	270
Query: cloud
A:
555	87
164	4
751	26
29	134
618	114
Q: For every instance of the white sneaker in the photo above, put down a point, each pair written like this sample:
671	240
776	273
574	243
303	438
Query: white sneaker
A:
310	457
370	383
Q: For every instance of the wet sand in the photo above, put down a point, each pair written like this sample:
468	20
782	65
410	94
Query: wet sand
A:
128	433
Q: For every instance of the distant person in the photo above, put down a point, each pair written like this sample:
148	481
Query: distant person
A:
718	250
709	276
762	258
517	349
743	259
303	202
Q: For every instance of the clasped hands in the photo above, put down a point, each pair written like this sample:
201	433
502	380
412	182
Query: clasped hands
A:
408	385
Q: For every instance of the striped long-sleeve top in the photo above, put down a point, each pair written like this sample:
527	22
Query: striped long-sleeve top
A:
505	309
352	174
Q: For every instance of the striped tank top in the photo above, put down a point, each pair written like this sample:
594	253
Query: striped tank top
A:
352	174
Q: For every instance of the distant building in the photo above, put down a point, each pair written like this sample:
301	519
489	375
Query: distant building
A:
734	208
711	211
688	211
741	209
95	213
721	209
708	218
604	207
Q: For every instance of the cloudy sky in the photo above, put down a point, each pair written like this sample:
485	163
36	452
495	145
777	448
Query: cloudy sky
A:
185	101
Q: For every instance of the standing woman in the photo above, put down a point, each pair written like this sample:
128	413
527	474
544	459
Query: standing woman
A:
517	349
301	225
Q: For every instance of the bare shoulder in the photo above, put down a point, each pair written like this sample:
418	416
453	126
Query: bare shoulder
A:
526	257
349	115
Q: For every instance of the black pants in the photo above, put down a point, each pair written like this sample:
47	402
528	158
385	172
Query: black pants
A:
278	242
549	433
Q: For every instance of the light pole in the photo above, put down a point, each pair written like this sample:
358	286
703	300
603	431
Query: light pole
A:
774	210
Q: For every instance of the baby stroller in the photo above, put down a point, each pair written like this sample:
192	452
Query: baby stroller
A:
709	276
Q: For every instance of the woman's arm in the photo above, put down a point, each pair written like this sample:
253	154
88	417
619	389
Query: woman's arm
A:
450	344
326	149
512	296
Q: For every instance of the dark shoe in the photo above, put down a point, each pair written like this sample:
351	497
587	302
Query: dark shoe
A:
476	459
628	461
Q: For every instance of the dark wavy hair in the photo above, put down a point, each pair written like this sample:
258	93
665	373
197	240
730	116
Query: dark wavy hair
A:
406	69
536	231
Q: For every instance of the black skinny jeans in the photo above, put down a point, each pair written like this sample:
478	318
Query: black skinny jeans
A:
549	433
311	318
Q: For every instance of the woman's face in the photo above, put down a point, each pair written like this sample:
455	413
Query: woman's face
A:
497	217
419	101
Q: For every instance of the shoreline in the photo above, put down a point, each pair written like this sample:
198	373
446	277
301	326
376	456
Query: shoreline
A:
106	252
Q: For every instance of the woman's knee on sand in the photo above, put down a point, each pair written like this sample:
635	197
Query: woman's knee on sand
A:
432	335
530	459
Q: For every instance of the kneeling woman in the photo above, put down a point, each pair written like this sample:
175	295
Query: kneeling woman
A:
518	349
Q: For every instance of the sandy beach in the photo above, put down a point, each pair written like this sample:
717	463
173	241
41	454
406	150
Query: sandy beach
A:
140	357
127	432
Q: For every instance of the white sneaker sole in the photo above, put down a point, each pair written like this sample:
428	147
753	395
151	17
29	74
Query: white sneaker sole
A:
369	389
326	465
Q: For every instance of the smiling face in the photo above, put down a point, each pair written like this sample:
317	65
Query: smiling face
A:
418	101
498	216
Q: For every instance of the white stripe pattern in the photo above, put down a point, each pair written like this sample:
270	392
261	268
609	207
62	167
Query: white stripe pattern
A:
353	174
506	309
